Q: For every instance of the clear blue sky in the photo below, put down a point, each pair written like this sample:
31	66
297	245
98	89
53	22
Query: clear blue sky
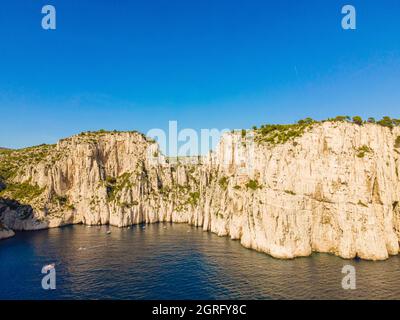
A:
205	63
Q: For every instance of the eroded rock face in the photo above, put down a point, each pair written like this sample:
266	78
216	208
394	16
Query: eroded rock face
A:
322	193
335	189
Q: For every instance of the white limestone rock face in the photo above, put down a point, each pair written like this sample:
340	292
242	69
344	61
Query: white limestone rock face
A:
335	189
320	193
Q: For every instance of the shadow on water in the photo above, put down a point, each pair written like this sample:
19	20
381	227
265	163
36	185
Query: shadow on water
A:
176	261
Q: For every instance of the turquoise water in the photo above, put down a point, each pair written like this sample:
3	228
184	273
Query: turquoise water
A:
175	261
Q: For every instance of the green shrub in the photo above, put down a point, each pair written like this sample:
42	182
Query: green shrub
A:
397	142
362	151
115	185
386	122
253	185
223	182
340	119
358	120
61	200
128	205
194	198
111	180
306	121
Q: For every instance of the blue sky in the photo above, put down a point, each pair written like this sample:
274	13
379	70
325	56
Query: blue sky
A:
206	63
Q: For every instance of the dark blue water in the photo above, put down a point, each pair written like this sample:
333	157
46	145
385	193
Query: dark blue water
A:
175	261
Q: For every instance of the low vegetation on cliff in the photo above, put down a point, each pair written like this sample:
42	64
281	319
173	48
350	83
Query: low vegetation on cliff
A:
115	185
93	136
23	192
13	160
253	185
274	134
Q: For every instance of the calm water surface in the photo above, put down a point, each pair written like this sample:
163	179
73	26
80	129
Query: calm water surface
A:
175	261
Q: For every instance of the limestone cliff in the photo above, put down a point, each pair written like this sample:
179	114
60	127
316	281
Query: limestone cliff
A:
324	187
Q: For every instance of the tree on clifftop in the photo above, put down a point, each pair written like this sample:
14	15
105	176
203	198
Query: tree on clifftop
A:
358	120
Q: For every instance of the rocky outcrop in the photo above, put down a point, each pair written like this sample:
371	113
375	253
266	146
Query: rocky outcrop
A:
6	233
327	187
17	216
